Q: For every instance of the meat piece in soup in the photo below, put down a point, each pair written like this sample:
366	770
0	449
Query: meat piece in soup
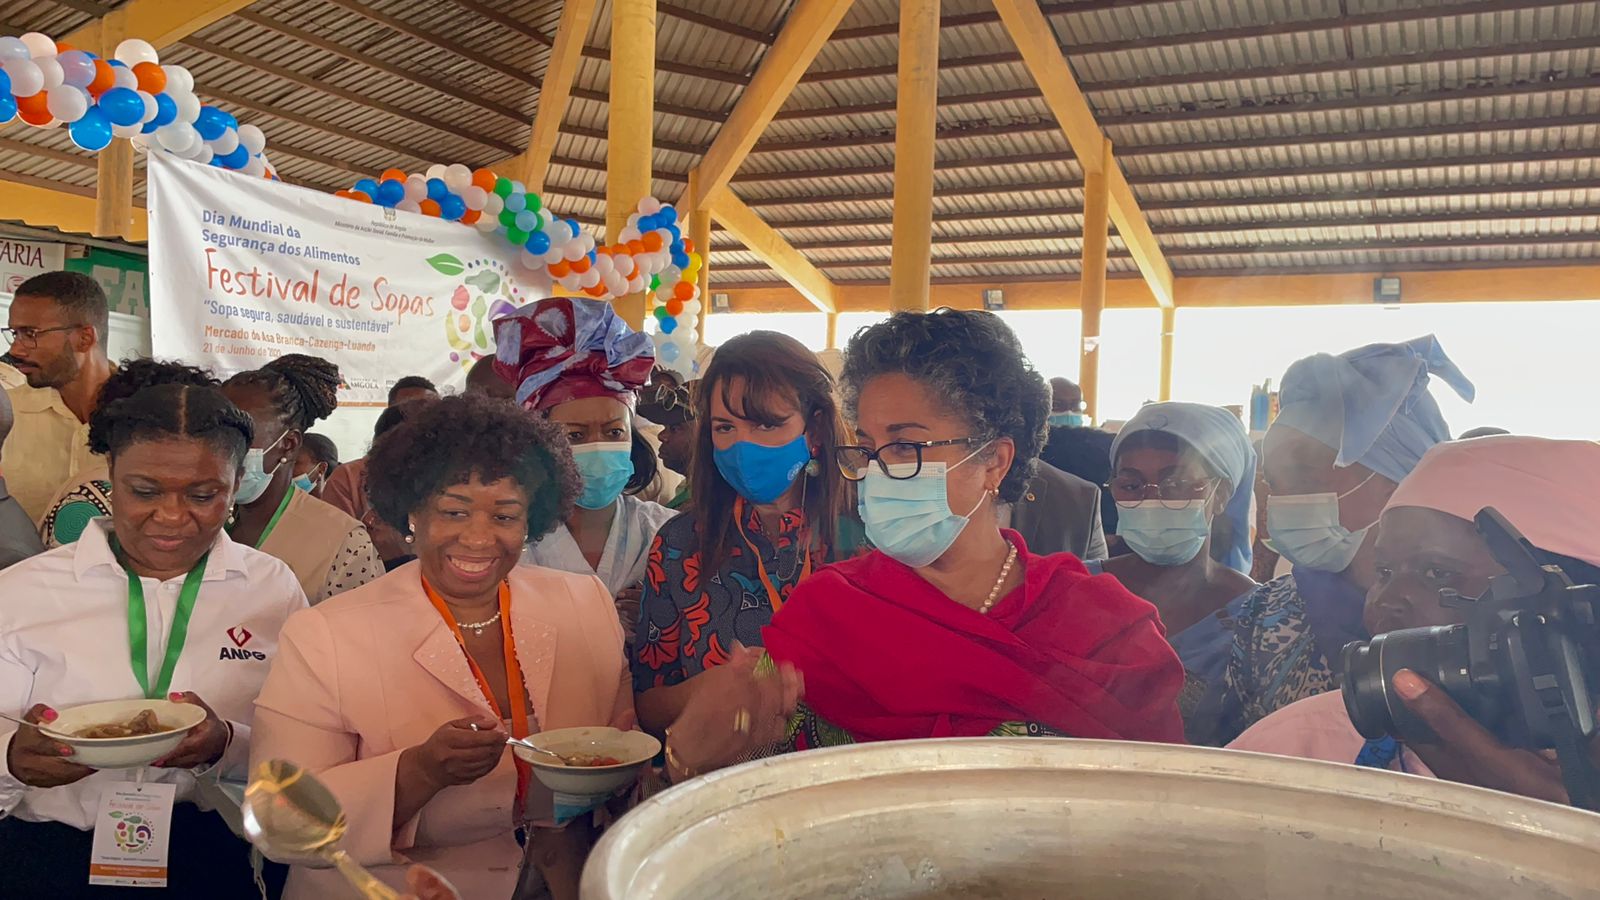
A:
143	723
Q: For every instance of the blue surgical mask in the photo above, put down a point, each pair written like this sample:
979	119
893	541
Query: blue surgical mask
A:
1305	530
760	473
910	519
606	469
255	479
1163	536
1068	420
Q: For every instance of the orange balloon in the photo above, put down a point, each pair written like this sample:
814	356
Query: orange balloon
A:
651	242
33	107
393	175
104	78
37	119
152	79
560	269
430	207
580	265
596	292
485	179
360	195
688	245
684	291
602	249
674	308
471	216
635	248
63	47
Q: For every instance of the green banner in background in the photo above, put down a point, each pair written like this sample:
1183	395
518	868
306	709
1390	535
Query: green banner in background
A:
123	276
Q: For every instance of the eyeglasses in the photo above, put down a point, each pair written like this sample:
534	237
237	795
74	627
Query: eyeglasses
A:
670	398
853	461
1173	492
29	337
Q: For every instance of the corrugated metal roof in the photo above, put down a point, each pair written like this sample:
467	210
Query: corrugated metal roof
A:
1260	135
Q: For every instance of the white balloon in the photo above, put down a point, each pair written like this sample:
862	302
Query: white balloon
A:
457	176
252	138
436	170
631	233
487	224
226	143
13	48
176	137
559	232
604	264
123	77
26	79
474	196
692	308
591	278
649	206
527	260
133	51
573	252
624	264
150	107
416	189
553	255
178	80
51	70
188	106
493	205
671	275
204	154
126	131
67	103
411	206
256	167
39	45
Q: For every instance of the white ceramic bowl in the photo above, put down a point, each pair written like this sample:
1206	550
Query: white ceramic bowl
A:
634	748
128	752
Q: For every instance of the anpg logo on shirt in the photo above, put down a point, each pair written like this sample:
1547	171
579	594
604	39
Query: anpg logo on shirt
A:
240	636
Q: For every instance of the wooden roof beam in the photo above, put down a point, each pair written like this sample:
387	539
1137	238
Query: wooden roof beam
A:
161	22
769	245
555	91
1036	40
49	204
804	32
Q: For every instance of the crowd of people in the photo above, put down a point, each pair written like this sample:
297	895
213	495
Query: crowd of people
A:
765	560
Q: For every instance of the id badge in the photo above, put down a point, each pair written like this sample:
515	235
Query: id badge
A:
131	834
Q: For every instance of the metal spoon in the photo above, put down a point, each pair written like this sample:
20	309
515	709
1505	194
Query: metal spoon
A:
288	812
44	728
528	745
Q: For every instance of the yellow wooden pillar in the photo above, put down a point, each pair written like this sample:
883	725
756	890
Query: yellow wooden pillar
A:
916	116
833	330
1092	280
631	125
1169	324
113	199
700	233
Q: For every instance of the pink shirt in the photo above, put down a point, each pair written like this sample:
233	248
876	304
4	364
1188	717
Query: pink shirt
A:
1317	728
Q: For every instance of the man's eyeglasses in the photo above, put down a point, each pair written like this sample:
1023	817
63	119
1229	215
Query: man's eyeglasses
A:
670	397
29	337
853	461
1173	492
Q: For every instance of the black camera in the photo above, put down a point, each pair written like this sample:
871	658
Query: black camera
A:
1524	665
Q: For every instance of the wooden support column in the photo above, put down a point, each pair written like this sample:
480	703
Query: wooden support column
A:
833	331
700	233
916	117
113	199
554	91
1169	324
631	126
1092	280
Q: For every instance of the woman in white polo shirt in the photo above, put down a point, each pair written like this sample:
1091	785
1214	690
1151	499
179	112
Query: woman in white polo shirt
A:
69	626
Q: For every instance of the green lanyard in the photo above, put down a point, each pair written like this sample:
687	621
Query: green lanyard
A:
272	523
138	638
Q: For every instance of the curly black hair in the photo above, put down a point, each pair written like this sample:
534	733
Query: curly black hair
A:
447	441
974	363
411	383
134	375
304	389
168	411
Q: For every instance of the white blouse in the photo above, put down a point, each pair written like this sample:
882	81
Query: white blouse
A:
633	528
64	642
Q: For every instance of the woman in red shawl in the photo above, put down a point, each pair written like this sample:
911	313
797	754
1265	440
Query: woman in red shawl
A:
951	628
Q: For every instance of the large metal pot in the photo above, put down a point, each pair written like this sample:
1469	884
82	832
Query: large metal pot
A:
1033	818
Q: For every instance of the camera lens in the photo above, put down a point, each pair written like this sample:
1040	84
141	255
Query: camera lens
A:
1438	654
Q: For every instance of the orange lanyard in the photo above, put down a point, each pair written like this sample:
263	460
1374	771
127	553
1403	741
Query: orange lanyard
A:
803	538
515	690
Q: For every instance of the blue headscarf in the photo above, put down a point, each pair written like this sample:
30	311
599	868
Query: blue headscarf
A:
1372	404
1219	437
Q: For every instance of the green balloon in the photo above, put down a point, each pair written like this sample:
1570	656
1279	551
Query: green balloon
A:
516	235
534	202
655	282
508	218
503	187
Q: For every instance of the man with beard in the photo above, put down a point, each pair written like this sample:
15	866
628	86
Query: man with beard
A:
58	328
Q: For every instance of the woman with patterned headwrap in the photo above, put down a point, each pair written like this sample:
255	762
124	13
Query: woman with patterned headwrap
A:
1351	427
580	366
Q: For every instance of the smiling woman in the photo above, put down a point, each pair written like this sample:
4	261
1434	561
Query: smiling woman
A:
154	604
404	687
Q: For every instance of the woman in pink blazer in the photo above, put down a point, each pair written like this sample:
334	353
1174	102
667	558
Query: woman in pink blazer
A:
400	694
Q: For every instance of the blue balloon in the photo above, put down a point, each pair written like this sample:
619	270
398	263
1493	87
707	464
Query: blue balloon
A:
8	107
367	186
538	243
677	235
517	203
117	63
92	132
528	220
680	259
452	208
123	106
437	190
668	352
668	326
228	120
593	255
389	193
238	159
5	83
210	123
573	225
667	216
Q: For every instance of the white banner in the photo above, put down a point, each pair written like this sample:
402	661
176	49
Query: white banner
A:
243	270
21	260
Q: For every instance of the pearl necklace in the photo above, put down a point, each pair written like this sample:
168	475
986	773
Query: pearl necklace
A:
478	627
1005	572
